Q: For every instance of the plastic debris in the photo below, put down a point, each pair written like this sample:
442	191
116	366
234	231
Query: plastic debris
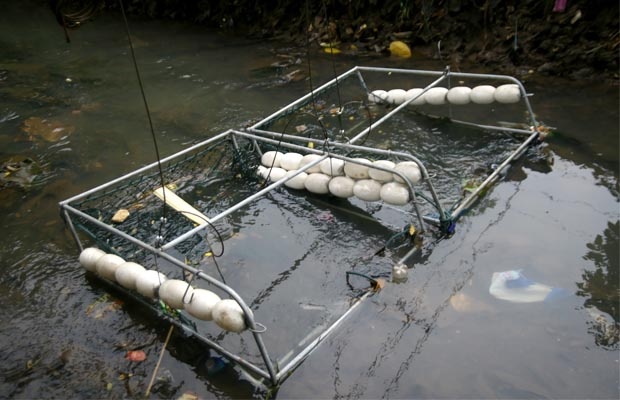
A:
514	287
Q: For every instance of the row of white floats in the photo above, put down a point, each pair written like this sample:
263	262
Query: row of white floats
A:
459	95
340	178
200	303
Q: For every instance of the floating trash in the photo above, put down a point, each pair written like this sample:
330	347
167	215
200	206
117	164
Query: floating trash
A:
514	287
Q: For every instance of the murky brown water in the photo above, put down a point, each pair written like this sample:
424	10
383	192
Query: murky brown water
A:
75	111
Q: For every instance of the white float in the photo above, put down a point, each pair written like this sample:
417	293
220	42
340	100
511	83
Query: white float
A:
459	95
106	265
396	96
290	161
296	182
341	186
148	282
127	273
261	171
377	96
507	94
202	303
381	176
399	272
367	190
411	93
175	293
228	315
410	169
356	171
483	94
271	159
89	257
307	159
332	166
395	193
436	96
274	174
317	183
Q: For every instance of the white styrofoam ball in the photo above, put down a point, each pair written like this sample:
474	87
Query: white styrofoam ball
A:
483	94
298	181
395	193
127	273
228	315
261	171
379	175
106	265
307	159
275	174
459	95
356	171
332	166
411	93
377	96
202	303
89	257
396	96
436	96
318	183
507	94
290	161
367	190
175	293
410	169
271	159
341	186
148	282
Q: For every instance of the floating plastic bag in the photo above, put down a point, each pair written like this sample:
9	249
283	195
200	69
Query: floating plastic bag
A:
514	287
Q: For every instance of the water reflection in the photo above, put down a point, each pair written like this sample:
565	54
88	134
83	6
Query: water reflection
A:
600	287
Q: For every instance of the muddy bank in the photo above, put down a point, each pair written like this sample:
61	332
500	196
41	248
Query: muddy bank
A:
570	38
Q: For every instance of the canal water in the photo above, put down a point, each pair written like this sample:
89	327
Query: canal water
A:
71	118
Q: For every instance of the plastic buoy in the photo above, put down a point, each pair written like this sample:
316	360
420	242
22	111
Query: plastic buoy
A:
367	190
399	272
275	174
106	265
290	161
332	166
483	94
127	273
411	93
317	183
228	315
356	171
400	49
436	96
261	171
148	282
298	181
507	94
459	95
396	96
395	193
307	159
381	176
377	96
271	159
89	257
410	169
341	186
175	293
202	303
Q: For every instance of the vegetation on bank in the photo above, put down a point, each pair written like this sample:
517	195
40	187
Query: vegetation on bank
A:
577	38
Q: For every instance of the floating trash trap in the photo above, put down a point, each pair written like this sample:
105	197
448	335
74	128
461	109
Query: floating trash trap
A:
255	241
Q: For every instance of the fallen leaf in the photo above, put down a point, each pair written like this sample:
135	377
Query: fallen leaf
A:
135	355
400	49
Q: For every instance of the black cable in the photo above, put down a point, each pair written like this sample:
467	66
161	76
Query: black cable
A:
148	114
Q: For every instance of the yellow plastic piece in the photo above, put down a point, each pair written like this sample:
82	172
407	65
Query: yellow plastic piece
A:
400	49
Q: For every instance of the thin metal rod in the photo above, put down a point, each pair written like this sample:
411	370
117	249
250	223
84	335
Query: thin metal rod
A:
491	178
